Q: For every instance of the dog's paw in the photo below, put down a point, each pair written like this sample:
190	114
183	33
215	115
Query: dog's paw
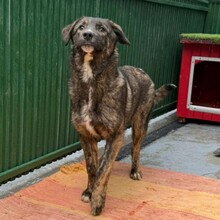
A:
97	204
136	175
86	196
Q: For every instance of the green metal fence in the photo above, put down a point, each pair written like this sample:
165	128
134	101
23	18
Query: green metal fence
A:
213	18
34	67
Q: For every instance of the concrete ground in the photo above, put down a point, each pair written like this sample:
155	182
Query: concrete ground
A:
188	149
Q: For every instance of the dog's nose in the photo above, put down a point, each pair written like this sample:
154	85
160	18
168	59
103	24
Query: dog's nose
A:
88	35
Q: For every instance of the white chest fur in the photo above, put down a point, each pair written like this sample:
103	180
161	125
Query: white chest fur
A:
86	109
86	115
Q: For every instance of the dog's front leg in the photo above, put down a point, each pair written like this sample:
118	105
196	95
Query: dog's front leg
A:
99	192
90	149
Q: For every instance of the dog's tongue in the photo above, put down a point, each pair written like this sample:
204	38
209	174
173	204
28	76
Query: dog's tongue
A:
87	49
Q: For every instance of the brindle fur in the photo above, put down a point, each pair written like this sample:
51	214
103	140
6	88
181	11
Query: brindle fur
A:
105	99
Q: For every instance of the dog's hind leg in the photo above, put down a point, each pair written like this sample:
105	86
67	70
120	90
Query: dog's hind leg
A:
139	129
138	133
90	149
99	192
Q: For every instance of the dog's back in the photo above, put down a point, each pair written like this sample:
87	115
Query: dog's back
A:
139	91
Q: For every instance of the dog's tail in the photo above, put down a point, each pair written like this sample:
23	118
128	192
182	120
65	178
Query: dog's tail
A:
162	92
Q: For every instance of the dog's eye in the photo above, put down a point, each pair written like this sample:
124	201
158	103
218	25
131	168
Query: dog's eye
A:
81	27
101	29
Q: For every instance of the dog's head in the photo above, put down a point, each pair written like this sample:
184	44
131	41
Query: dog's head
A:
94	34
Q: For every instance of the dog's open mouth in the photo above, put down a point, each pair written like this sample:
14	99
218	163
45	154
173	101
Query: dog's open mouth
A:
87	48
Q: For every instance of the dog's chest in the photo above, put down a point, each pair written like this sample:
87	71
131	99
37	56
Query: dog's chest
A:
97	99
82	115
85	115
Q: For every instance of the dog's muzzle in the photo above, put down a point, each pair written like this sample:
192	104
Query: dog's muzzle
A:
89	41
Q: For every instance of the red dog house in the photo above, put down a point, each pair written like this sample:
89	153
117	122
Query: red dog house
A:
199	85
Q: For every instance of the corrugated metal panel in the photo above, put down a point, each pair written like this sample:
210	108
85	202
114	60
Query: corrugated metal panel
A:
200	5
213	18
153	30
34	104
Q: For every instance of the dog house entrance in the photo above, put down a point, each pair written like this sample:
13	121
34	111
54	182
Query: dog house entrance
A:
204	85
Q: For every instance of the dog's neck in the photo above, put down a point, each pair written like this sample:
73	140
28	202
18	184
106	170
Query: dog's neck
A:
90	65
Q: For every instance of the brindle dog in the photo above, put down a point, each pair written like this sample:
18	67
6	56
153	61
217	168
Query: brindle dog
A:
105	99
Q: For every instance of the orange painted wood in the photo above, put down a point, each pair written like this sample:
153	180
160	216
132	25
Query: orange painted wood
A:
159	195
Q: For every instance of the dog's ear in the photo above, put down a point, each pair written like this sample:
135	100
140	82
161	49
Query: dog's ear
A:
66	33
67	30
120	34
